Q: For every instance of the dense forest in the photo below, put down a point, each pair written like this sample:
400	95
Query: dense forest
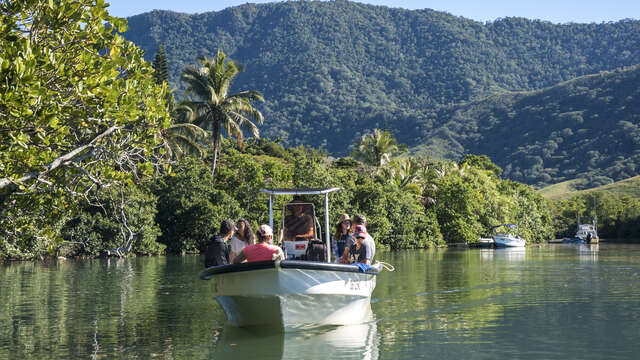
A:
586	128
331	71
98	159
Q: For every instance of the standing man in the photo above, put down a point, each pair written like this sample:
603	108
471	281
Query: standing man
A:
371	245
217	252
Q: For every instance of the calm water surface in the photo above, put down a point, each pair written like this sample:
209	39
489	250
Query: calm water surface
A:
550	302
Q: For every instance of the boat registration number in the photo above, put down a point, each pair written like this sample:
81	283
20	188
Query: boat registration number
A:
353	285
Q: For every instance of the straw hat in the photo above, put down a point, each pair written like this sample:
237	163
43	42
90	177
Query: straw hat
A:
343	218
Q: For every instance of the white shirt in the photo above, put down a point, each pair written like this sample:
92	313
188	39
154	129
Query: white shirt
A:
237	245
370	245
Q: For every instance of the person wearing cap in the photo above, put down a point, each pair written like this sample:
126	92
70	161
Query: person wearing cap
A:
371	245
263	250
217	252
360	252
342	239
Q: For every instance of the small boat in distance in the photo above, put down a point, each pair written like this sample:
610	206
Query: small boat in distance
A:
587	234
295	293
506	239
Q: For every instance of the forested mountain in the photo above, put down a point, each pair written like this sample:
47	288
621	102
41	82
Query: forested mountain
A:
586	128
331	71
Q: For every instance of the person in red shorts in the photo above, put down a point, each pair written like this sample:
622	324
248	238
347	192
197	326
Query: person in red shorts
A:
263	250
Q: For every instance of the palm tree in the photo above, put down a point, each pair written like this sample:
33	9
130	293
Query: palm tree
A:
182	139
376	148
212	108
403	172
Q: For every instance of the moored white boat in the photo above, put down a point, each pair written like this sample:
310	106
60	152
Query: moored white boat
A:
506	239
586	234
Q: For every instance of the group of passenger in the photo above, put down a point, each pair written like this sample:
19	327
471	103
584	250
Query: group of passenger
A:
351	242
245	245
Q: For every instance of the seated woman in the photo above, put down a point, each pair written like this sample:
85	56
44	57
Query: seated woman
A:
264	250
244	236
342	239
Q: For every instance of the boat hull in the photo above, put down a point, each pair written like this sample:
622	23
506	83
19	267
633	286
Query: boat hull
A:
580	240
295	294
508	241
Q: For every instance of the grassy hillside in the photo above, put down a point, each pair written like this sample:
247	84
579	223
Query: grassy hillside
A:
563	190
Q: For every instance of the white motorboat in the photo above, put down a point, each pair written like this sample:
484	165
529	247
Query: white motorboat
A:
295	293
586	234
506	239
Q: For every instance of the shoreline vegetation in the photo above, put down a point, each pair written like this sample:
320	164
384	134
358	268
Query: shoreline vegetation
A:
96	158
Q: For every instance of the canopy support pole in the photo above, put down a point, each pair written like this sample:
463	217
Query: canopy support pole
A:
271	211
326	223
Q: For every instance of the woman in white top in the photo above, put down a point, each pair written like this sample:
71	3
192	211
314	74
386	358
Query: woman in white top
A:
244	236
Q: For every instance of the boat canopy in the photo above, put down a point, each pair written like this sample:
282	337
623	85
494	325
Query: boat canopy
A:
512	226
305	191
302	191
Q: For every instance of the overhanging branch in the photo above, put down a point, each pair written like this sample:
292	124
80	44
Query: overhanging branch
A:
11	185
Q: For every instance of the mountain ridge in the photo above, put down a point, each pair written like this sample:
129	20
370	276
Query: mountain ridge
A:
331	71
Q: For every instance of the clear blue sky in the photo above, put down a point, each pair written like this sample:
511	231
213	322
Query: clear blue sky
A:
557	11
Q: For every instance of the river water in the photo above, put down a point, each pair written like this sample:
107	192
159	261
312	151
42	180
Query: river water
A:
548	302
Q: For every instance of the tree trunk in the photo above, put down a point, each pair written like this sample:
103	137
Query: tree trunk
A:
216	148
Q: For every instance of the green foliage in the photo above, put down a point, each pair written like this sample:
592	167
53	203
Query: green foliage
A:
161	73
376	148
617	215
78	110
470	201
585	129
189	208
96	229
481	162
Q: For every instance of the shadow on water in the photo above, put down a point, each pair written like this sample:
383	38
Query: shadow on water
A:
329	342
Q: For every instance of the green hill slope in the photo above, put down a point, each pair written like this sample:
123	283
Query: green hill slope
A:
333	70
629	187
585	128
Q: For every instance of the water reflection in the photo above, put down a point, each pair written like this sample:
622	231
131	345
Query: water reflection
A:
508	254
588	253
341	342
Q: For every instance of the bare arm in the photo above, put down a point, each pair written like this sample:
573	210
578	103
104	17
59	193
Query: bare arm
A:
345	256
240	258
